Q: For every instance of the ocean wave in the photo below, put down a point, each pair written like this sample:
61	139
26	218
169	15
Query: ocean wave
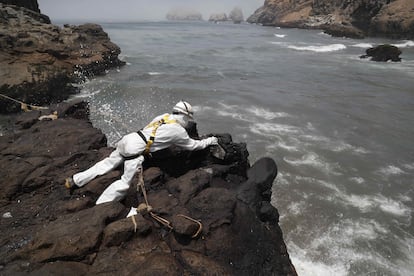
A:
406	44
280	35
319	49
154	73
362	45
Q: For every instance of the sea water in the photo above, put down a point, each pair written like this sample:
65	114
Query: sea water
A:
340	128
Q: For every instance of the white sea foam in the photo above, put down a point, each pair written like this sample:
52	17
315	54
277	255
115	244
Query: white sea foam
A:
404	198
277	43
266	114
324	34
393	207
320	48
306	265
310	126
86	94
406	44
391	170
342	146
296	208
370	203
358	180
336	146
339	246
281	144
362	45
273	129
313	160
319	182
236	116
221	74
409	166
154	73
280	35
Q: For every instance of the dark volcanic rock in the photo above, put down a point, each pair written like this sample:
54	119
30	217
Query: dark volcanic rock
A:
48	231
383	52
28	4
39	61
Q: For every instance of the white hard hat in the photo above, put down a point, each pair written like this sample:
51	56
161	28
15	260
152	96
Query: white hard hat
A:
183	107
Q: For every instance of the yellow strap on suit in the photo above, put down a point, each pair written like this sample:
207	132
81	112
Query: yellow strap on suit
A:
155	125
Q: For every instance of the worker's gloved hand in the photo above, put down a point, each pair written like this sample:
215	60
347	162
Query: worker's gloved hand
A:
213	141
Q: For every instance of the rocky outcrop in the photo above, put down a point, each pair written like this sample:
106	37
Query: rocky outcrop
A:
218	17
48	231
183	14
341	18
236	15
383	52
28	4
39	61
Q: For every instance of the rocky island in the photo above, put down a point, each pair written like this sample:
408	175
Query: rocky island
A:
184	14
217	216
355	19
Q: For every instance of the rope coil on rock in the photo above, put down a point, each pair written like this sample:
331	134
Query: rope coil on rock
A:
146	208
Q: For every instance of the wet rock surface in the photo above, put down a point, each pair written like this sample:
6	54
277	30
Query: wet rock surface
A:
48	231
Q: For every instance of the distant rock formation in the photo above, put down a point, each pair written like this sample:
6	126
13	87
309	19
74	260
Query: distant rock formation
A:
236	15
341	18
218	17
40	60
184	14
48	231
383	52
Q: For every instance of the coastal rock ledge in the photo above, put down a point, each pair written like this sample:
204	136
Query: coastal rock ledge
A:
39	60
48	231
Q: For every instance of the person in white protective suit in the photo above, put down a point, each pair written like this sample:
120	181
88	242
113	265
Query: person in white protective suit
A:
164	131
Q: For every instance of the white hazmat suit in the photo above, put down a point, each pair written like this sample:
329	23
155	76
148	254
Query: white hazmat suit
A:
130	149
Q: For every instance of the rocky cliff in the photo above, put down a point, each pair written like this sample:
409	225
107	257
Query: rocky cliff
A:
28	4
48	231
390	18
38	60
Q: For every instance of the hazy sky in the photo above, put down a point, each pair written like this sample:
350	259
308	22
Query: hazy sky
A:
112	10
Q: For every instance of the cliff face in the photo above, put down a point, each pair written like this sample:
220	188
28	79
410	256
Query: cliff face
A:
39	60
28	4
344	18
